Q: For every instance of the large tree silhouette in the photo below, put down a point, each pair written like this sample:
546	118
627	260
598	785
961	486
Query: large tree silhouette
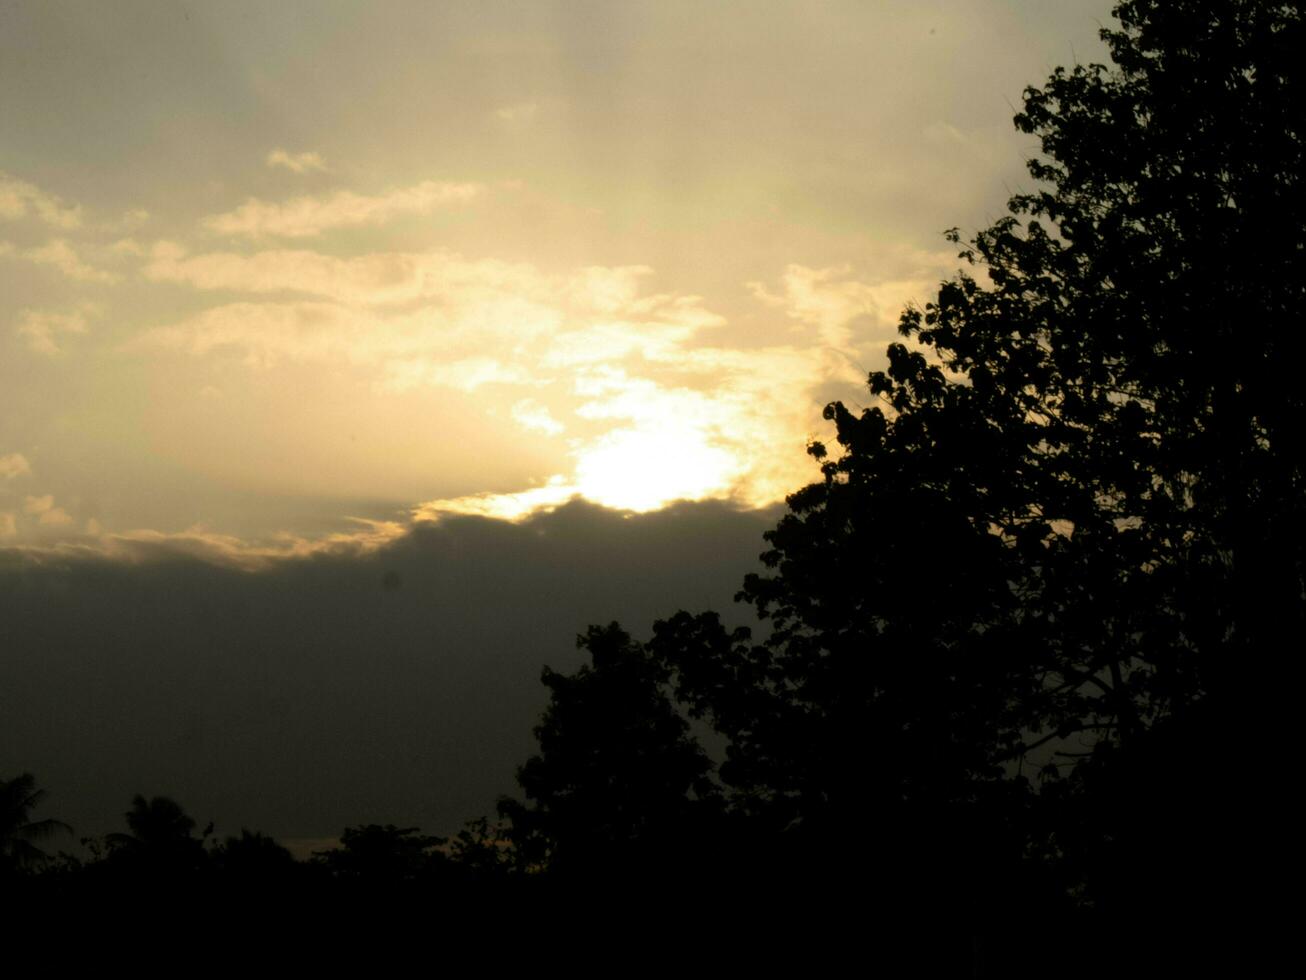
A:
1068	540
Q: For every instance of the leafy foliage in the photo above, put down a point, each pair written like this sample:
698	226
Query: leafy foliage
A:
1071	533
382	854
19	834
160	839
617	772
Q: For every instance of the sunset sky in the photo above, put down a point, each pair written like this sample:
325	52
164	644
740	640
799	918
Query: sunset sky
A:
314	289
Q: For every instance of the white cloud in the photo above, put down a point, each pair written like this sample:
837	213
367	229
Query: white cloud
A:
14	465
8	525
305	217
44	331
504	506
530	414
299	163
18	199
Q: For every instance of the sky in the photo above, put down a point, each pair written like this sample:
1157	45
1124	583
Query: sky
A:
294	295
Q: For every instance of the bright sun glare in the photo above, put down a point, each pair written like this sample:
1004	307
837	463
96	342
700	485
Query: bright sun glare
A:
637	470
643	469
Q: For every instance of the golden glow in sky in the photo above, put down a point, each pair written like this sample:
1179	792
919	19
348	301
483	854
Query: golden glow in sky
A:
278	278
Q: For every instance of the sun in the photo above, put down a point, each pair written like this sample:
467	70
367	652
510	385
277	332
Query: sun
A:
648	467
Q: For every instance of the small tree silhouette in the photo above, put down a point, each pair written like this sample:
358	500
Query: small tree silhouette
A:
19	833
617	773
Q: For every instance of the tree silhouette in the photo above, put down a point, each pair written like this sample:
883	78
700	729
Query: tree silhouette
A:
618	778
19	833
160	841
252	856
382	854
1069	541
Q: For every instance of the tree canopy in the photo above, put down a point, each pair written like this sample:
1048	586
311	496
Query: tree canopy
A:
1048	572
19	833
617	775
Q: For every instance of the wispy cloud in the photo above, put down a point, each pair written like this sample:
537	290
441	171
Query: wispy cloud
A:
146	545
44	331
58	254
827	299
456	311
502	506
306	217
653	410
19	198
530	414
300	163
127	222
377	278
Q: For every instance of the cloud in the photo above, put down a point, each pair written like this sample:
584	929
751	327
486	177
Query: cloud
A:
46	513
299	163
741	436
43	331
455	310
945	133
384	278
654	411
14	465
428	346
127	246
8	525
825	298
737	427
199	543
467	374
341	685
128	222
530	414
523	504
305	217
58	254
849	313
18	199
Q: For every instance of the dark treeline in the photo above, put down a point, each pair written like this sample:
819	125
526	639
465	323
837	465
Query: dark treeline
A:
1024	674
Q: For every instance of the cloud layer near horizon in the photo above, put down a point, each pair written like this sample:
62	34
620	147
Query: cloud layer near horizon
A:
397	684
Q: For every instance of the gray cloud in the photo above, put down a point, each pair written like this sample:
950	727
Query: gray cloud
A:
399	685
